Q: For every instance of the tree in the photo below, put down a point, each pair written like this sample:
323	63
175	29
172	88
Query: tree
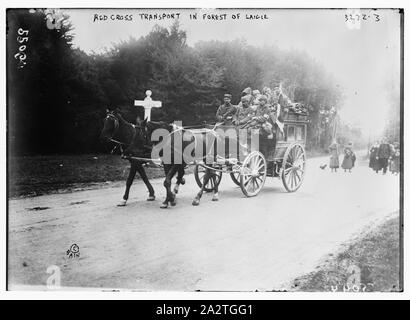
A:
393	121
38	97
58	99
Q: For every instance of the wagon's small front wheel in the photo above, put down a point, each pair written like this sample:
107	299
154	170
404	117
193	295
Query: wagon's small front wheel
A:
216	177
253	174
236	178
293	167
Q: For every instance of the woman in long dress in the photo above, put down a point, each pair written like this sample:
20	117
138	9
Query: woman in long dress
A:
349	158
334	156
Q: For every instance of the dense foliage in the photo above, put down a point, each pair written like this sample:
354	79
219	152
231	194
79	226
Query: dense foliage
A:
393	125
57	101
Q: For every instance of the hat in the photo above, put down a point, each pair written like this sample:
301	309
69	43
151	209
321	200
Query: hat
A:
227	95
245	98
266	90
255	92
247	91
263	97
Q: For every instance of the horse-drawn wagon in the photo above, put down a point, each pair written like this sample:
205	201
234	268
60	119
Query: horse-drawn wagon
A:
249	158
283	157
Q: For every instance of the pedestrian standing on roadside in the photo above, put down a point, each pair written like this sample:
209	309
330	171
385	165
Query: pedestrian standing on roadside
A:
349	158
373	162
334	156
384	153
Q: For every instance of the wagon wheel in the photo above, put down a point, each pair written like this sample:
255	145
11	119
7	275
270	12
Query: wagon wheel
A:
236	178
293	167
200	174
253	174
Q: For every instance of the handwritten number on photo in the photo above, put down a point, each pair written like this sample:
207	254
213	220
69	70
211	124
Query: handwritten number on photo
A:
22	32
364	17
21	55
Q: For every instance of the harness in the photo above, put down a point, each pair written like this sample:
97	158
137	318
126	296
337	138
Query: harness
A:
119	144
194	130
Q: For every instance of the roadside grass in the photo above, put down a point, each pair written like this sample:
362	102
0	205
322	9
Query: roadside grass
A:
368	263
37	175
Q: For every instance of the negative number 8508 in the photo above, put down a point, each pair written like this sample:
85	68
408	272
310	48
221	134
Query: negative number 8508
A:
22	39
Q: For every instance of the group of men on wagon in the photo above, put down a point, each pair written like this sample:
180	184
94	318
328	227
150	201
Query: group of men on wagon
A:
263	111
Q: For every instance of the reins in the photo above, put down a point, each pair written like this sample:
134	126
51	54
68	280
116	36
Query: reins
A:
158	162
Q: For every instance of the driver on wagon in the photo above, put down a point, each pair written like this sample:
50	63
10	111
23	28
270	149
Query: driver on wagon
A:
227	111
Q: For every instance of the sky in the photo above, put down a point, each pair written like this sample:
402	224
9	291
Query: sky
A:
363	57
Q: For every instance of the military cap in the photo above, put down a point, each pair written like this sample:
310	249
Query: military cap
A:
255	92
247	91
263	97
245	98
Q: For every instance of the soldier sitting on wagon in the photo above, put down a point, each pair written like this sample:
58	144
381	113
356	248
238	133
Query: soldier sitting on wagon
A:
280	97
264	118
227	111
244	112
268	93
280	102
247	92
256	94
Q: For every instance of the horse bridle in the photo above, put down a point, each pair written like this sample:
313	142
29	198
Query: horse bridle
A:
116	126
119	143
116	122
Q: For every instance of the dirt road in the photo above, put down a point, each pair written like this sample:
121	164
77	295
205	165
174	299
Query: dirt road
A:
237	243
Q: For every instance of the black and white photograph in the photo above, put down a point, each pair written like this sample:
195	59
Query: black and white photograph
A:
205	149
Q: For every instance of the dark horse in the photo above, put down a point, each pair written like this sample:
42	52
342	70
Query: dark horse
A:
144	138
175	162
122	133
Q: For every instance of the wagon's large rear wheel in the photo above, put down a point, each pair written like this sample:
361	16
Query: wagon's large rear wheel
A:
216	177
293	167
253	174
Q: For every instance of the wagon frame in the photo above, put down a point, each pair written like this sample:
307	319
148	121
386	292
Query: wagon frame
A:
286	160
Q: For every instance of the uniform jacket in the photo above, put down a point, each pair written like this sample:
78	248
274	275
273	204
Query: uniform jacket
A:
225	111
264	112
243	115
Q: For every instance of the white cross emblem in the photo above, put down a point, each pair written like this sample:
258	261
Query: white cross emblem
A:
148	104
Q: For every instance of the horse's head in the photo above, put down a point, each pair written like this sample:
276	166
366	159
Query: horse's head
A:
111	124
